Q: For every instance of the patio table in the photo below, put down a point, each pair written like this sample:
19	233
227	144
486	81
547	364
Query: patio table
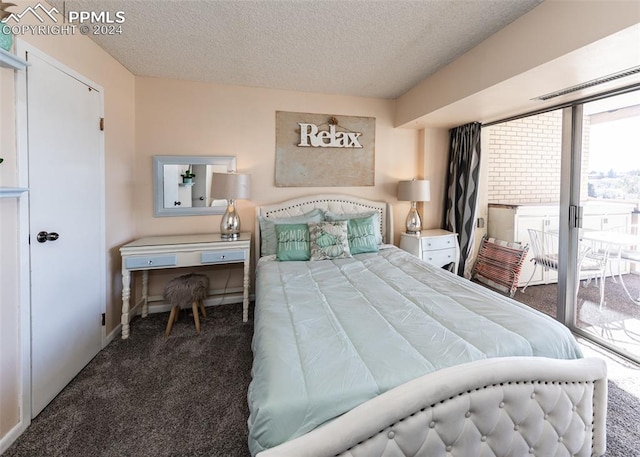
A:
618	243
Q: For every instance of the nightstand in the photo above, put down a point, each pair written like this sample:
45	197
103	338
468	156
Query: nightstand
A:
435	246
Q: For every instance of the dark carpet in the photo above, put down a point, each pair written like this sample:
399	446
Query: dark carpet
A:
186	396
623	423
150	396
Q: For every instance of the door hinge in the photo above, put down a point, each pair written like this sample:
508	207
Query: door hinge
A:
102	124
104	319
575	216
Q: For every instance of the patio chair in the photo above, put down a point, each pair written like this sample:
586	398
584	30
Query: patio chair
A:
498	264
591	262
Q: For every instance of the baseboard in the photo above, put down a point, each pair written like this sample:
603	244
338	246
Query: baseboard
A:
209	301
113	334
7	440
164	308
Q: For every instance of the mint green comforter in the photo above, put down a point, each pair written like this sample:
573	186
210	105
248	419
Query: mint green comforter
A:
332	334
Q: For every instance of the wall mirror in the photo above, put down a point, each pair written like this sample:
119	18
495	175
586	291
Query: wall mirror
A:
181	184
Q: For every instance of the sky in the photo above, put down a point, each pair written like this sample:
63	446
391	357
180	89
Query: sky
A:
615	145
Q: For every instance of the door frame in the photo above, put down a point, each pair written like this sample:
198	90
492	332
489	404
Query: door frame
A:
22	150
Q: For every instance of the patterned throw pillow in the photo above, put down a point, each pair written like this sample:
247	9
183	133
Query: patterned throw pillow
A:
292	242
329	240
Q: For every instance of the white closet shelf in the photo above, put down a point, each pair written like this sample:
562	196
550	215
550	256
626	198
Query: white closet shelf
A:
9	60
10	192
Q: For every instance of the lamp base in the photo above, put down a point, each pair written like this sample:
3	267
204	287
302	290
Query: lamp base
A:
230	223
413	223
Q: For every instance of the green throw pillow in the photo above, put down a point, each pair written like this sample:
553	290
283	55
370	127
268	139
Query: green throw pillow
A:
268	233
361	233
331	216
292	242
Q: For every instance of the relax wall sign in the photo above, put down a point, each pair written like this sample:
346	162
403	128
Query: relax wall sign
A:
310	135
323	150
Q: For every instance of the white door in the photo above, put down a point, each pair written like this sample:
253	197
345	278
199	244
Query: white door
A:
65	199
199	190
170	182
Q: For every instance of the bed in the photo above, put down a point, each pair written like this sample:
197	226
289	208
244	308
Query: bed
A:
377	353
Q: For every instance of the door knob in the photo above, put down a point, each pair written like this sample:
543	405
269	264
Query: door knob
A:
43	237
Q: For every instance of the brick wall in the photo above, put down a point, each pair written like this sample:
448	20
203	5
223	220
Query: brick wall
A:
523	159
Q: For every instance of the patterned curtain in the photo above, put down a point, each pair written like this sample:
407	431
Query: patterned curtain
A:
462	188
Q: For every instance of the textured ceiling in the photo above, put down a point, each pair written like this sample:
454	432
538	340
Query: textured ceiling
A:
368	48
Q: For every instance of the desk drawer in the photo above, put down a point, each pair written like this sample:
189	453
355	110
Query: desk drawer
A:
438	242
151	261
440	257
222	256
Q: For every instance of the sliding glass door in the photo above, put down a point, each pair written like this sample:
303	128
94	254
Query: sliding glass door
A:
522	163
566	182
607	307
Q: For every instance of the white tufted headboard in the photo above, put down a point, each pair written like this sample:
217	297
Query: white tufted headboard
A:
337	203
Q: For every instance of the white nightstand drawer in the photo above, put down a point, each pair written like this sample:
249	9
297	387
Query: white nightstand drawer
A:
438	242
440	257
222	256
151	261
435	246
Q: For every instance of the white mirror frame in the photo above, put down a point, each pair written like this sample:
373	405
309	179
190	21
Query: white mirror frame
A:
158	183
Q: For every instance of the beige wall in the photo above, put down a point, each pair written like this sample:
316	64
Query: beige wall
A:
189	118
434	166
85	57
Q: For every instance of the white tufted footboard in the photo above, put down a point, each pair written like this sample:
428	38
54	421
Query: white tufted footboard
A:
513	406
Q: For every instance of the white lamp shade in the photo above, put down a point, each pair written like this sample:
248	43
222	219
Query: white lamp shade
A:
233	186
417	190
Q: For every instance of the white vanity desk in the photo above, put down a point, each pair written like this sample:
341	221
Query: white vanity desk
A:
176	251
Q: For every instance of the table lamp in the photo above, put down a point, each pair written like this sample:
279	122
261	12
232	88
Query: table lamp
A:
414	191
230	187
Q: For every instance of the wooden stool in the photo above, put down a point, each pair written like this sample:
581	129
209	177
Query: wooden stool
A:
184	291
